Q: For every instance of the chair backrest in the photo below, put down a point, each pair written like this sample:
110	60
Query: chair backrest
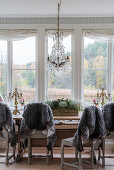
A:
91	126
6	121
38	116
108	115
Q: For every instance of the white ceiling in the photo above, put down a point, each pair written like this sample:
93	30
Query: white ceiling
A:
48	8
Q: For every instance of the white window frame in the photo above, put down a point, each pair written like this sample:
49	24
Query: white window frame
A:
71	33
10	68
109	69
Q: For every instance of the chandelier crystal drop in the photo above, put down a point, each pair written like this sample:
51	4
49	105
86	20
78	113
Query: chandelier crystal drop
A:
58	58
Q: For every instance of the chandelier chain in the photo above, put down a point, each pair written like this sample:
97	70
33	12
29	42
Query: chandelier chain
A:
58	58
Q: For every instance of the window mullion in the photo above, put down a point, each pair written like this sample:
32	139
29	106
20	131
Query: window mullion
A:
46	66
9	77
109	67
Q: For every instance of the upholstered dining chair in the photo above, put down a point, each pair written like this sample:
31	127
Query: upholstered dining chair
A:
90	129
7	131
38	118
6	139
108	115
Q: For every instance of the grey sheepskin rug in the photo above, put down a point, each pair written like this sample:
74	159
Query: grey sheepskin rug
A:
38	116
91	126
6	120
108	115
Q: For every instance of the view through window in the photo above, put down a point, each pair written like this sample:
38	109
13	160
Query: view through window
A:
113	72
21	71
95	67
59	82
24	68
3	69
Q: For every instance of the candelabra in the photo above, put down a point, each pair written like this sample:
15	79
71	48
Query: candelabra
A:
102	95
16	97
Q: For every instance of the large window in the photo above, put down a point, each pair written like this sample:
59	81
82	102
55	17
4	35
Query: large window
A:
24	68
113	72
59	82
95	67
18	68
3	69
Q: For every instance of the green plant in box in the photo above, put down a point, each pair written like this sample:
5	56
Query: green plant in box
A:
64	107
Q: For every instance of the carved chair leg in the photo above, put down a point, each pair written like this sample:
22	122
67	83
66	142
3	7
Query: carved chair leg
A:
76	154
80	161
51	154
47	158
62	156
99	153
7	149
92	155
103	153
29	150
14	149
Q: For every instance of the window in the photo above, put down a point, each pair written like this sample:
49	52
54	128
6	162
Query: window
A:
95	67
98	66
113	72
24	68
3	69
18	68
59	82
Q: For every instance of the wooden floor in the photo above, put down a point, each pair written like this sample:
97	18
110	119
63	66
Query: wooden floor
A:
40	163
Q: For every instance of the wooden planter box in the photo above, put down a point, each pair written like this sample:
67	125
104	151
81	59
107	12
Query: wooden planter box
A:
65	112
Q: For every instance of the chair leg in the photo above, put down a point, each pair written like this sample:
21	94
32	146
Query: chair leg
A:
80	161
99	153
76	154
14	149
92	155
29	150
62	156
7	149
52	154
47	158
103	153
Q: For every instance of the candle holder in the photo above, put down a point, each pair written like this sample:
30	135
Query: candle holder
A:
16	97
102	95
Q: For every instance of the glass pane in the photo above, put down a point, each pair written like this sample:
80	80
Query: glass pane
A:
25	80
113	86
59	85
3	69
24	54
93	80
3	54
113	55
3	84
95	54
59	82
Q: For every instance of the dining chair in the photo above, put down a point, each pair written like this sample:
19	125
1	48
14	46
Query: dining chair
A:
38	117
78	155
7	128
88	134
6	139
108	115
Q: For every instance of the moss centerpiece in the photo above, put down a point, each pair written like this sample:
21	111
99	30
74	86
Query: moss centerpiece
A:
64	107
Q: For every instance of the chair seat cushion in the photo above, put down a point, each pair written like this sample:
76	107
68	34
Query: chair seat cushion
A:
69	142
38	134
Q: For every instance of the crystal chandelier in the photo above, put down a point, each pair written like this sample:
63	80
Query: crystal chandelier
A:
58	58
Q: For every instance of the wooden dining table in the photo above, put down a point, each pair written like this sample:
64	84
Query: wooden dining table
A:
65	128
